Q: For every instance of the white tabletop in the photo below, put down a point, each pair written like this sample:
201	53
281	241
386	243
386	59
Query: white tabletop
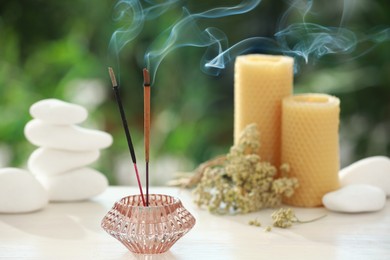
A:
72	231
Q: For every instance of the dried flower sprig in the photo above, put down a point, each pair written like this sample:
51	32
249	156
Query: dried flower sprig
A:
241	182
254	222
268	229
282	218
285	218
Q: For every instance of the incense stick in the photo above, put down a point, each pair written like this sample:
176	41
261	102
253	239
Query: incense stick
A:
115	87
147	127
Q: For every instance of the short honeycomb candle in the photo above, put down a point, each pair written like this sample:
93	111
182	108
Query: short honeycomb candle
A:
310	145
260	84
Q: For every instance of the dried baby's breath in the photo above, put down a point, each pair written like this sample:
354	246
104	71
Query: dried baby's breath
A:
242	182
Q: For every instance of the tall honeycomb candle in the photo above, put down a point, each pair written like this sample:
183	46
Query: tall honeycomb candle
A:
260	84
310	144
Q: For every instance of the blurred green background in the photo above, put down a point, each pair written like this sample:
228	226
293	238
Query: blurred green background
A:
59	49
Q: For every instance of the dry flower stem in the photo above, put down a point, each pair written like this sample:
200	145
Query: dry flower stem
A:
285	218
191	179
115	87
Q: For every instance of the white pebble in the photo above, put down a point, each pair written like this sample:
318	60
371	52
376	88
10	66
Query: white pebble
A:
66	137
355	198
53	161
80	184
20	192
372	170
55	111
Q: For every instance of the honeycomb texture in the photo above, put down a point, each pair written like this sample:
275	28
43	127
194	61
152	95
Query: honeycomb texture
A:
310	145
260	84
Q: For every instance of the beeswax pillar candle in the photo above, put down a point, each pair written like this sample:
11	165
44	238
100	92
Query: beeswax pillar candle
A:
310	145
260	84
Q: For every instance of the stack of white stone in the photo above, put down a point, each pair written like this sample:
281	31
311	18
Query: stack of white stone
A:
65	150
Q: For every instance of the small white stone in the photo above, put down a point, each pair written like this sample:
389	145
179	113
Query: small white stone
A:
372	170
20	192
56	111
53	161
65	137
80	184
355	198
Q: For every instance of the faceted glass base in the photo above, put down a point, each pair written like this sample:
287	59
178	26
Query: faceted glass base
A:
148	230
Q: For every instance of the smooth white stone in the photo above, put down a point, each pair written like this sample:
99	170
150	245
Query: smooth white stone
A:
372	170
53	161
66	137
355	198
80	184
56	111
20	192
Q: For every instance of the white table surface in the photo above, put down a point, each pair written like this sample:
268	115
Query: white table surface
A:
72	231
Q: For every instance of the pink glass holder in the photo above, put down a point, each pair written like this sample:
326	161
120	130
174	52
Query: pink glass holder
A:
148	230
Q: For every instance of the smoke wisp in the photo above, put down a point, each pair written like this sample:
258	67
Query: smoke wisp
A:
305	41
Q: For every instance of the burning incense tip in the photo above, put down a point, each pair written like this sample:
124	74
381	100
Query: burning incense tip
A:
146	77
112	76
